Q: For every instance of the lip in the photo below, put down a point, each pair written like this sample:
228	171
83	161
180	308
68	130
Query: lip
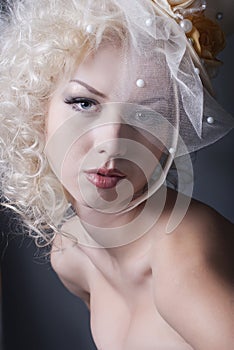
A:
104	178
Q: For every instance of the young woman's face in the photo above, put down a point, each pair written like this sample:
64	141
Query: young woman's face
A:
99	129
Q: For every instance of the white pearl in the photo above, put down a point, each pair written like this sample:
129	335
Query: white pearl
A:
219	16
191	41
89	28
140	83
204	4
197	70
171	150
149	22
186	25
210	120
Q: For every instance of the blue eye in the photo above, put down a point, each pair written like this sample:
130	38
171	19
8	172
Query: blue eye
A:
83	104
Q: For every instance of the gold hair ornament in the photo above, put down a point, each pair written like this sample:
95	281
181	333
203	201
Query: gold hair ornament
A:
205	35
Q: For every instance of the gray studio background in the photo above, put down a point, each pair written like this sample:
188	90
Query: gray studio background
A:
214	166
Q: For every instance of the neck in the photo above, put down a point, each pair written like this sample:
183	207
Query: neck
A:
120	235
101	220
94	229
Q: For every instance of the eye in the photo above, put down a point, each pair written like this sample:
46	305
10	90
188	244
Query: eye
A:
146	117
83	104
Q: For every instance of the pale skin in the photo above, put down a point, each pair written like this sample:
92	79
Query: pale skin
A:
161	291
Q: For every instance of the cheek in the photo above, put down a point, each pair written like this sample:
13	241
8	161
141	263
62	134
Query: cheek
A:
150	163
58	114
70	168
52	119
77	152
72	162
151	143
53	124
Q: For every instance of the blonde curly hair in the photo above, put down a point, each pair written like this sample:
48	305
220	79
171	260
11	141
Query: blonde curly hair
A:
43	42
40	42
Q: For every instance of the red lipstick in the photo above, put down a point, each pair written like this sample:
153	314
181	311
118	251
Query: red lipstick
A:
105	178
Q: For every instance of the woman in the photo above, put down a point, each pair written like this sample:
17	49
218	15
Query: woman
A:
102	102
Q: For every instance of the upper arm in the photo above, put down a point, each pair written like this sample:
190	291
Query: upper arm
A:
193	284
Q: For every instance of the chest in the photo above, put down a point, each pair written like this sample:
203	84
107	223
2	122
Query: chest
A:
124	316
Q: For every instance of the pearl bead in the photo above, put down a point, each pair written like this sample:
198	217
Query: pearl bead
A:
140	83
89	28
186	25
171	150
149	22
219	16
210	120
197	70
204	5
191	41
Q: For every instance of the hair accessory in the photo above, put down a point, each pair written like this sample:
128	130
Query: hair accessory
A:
219	16
210	120
89	28
205	35
149	22
140	83
186	25
172	150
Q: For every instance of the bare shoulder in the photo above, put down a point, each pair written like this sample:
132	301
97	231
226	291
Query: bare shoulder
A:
193	278
202	234
71	265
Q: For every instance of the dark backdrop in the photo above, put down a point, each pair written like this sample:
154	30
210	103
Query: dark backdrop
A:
214	166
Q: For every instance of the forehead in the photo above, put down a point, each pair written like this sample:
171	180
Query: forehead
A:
115	71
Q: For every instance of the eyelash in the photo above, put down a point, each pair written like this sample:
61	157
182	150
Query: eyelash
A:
76	101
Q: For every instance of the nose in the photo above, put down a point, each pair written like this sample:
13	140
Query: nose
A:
109	140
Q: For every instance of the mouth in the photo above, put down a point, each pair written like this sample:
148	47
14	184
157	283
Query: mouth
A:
105	178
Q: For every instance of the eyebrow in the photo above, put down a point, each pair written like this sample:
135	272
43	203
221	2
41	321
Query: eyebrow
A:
88	87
